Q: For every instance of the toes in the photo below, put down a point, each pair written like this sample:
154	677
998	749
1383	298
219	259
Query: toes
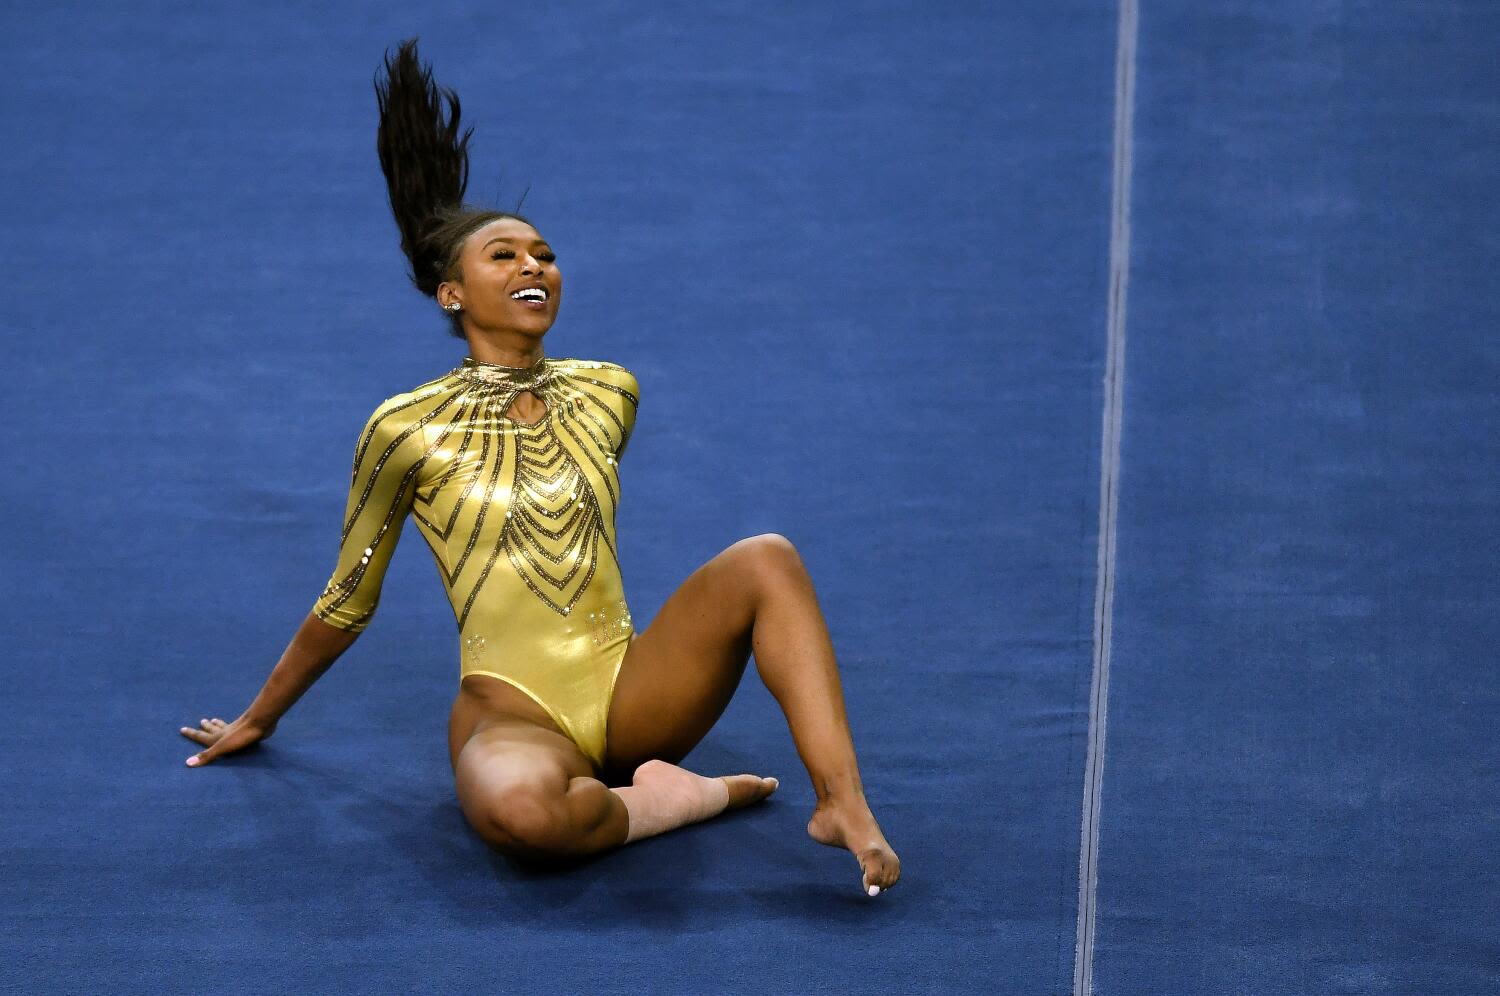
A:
879	873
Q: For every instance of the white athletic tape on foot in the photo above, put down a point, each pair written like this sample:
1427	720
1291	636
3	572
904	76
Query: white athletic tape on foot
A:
664	804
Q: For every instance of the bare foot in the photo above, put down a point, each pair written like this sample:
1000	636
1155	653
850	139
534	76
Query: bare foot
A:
851	825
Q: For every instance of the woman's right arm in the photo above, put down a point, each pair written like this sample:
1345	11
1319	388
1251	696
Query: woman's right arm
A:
380	497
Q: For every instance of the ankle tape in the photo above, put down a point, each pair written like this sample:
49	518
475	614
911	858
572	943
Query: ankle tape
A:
660	807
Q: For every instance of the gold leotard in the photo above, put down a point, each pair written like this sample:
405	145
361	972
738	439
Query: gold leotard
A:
520	518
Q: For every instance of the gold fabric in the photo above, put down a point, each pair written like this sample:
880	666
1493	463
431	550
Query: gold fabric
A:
520	519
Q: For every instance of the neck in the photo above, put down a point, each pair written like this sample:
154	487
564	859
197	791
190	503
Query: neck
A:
522	354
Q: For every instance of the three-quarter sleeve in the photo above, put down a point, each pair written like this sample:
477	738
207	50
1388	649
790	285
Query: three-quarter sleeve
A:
386	460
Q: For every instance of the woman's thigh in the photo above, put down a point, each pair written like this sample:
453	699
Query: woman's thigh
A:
480	698
681	671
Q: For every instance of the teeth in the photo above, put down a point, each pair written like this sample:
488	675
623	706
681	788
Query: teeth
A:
531	294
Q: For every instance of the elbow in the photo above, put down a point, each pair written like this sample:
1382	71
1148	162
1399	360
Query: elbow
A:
352	619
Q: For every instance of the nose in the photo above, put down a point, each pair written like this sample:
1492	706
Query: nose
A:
532	265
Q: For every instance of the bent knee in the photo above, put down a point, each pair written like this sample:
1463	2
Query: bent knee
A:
524	821
771	550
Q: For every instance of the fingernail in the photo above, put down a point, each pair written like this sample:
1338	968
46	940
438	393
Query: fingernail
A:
192	762
773	782
874	890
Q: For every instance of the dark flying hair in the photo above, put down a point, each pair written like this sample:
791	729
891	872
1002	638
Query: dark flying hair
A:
426	168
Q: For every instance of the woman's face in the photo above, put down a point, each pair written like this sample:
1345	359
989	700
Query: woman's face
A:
502	260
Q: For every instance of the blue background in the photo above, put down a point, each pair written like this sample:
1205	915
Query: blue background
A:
856	260
857	257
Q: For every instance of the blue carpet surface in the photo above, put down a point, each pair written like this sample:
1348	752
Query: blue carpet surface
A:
1299	793
856	260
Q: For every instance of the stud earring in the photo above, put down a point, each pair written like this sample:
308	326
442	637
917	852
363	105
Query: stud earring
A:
455	306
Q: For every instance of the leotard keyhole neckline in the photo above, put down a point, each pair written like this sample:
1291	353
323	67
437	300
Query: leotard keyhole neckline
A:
546	412
520	380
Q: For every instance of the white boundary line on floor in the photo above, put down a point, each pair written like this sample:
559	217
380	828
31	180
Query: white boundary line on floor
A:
1109	492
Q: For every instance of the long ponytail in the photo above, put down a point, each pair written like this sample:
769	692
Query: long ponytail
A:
426	166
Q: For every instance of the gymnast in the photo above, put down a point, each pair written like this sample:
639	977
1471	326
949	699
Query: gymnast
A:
568	724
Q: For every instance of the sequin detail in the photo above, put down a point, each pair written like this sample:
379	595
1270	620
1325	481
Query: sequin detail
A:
481	485
552	530
606	624
474	649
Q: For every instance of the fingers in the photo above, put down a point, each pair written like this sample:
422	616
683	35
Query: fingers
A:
204	756
212	730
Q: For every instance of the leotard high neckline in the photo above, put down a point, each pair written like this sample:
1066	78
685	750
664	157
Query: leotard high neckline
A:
512	381
470	361
499	373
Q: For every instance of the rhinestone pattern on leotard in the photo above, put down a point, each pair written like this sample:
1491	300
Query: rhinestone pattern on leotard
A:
520	518
554	523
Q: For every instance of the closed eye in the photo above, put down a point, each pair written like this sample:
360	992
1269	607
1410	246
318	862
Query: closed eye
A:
510	254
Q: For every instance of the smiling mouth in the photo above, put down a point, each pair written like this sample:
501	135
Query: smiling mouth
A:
535	298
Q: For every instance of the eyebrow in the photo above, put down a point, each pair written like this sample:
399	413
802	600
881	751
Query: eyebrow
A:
507	238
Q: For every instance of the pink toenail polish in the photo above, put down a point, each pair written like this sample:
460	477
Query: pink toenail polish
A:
874	890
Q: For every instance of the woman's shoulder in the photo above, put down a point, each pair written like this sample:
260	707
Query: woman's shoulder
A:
574	364
604	370
399	411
